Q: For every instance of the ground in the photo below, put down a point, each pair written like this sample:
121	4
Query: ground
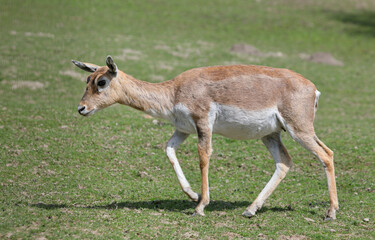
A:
63	176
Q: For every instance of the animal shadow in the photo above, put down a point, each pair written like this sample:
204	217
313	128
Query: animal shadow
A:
168	205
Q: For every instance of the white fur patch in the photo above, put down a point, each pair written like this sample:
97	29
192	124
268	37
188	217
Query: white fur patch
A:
164	114
231	122
317	94
236	123
182	119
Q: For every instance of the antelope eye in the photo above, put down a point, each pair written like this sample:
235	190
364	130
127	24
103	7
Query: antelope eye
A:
102	83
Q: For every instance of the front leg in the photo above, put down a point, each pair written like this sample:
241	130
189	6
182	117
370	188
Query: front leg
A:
172	146
204	151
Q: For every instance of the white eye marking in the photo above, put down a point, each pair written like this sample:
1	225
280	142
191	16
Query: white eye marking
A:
102	84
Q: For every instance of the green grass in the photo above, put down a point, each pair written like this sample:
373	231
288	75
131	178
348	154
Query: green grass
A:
63	176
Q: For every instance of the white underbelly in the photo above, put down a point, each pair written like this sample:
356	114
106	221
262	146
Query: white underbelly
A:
235	123
231	122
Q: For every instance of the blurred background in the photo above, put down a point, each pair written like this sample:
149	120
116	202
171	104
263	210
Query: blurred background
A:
106	176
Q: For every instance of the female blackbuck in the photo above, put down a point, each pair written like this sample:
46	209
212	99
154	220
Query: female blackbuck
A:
238	102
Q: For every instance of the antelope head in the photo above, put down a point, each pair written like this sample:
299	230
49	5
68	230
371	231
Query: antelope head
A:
101	86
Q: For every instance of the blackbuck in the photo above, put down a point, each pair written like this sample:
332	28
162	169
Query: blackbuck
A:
238	102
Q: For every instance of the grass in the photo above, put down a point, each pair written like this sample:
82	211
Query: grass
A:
64	176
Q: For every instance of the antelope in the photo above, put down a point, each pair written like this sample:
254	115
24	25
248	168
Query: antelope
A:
238	102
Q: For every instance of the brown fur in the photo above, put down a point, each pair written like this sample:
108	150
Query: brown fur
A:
249	88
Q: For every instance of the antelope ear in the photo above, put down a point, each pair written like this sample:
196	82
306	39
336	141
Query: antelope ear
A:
88	67
111	65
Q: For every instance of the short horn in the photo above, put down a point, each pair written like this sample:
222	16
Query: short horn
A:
85	66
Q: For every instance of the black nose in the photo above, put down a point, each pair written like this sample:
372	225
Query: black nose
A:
81	108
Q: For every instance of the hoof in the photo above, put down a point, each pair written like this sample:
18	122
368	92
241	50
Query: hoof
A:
198	214
196	199
330	215
248	214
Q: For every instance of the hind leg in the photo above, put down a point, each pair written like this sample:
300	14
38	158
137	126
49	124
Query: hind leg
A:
283	163
311	142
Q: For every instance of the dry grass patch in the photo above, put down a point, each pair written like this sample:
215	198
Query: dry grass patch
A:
33	85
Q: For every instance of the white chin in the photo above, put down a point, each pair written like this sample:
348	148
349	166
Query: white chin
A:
88	113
